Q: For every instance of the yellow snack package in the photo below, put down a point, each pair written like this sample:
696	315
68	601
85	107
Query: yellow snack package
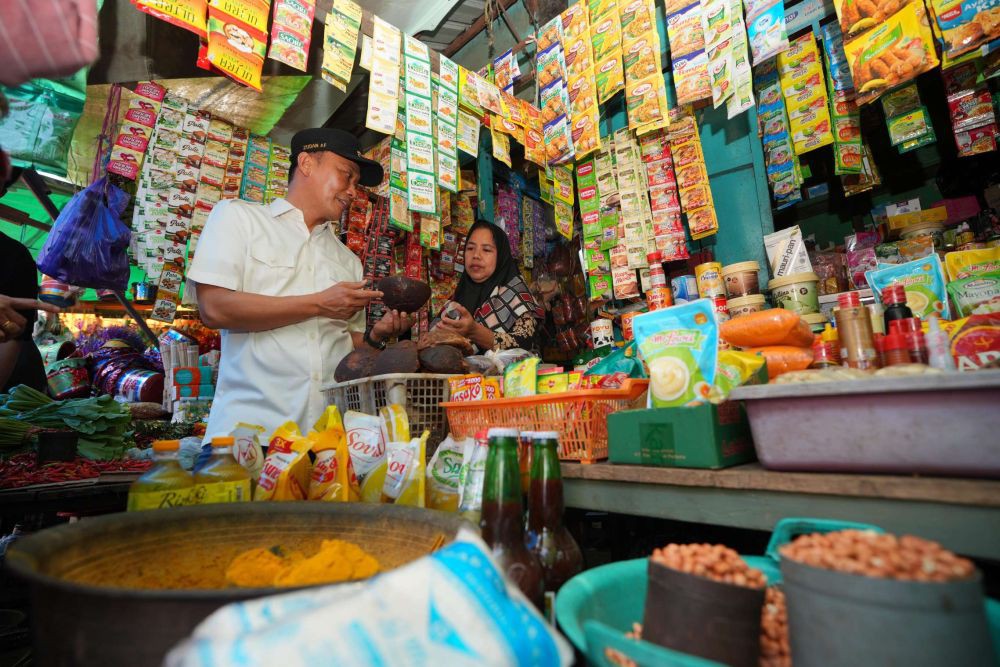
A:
521	378
553	383
395	422
466	387
968	263
734	370
491	388
285	475
332	475
405	477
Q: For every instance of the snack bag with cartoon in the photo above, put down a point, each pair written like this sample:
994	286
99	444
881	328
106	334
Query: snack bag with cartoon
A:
923	280
680	346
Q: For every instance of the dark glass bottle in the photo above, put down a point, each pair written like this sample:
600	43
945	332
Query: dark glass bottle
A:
502	522
894	301
547	537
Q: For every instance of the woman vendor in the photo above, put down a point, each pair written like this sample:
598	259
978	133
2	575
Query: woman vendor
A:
492	306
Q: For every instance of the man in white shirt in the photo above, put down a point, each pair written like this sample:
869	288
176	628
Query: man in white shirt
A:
288	296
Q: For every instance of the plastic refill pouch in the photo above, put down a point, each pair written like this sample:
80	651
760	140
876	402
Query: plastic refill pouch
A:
680	347
248	451
285	475
405	482
365	442
923	280
977	295
443	473
333	477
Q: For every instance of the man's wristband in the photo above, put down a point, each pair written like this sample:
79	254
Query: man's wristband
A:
368	339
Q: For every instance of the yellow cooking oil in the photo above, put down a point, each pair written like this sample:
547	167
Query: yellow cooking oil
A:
223	479
166	484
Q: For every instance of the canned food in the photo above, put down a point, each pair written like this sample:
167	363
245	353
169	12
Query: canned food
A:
658	298
602	333
721	309
709	280
627	331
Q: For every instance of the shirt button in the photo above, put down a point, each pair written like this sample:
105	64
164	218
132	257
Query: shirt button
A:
312	336
315	377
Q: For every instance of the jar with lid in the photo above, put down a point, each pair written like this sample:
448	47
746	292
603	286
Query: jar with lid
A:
854	327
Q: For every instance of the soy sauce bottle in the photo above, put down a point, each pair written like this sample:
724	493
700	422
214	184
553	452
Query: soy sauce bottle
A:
547	536
894	300
502	522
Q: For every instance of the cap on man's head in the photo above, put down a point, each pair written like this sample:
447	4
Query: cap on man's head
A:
342	143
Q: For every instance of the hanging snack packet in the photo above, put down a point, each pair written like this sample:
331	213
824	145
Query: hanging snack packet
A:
285	475
443	474
521	378
333	475
247	448
365	442
924	282
680	346
405	478
968	263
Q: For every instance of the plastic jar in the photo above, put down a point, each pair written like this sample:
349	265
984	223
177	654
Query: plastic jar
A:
816	321
933	229
796	293
741	279
684	288
709	278
745	305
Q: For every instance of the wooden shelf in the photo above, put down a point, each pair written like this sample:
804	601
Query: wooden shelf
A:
115	308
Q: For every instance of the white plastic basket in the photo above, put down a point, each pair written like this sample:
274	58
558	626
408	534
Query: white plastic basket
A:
420	393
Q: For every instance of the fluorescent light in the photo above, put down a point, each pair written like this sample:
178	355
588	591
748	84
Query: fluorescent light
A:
54	177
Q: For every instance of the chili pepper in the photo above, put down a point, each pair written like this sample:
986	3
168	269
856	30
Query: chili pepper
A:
23	470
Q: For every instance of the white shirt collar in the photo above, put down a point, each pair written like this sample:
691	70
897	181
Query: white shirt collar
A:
280	207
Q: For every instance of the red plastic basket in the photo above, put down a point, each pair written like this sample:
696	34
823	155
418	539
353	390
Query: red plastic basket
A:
580	417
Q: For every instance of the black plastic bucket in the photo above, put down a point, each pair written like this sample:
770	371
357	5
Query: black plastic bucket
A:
703	617
57	446
846	620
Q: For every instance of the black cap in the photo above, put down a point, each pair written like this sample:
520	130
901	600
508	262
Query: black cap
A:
342	143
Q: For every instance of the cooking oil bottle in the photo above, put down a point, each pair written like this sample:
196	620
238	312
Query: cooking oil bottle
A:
223	479
166	484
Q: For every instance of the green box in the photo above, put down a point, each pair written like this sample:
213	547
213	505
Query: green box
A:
704	436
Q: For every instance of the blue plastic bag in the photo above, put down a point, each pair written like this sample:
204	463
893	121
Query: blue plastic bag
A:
88	244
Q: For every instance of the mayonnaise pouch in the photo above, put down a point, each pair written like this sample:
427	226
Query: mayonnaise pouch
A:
521	378
247	448
443	474
734	370
405	482
332	475
923	280
365	442
968	263
976	295
680	347
285	475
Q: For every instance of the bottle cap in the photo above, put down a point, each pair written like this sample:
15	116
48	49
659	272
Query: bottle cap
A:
894	341
849	299
830	333
223	441
546	435
905	324
166	445
654	258
894	294
502	433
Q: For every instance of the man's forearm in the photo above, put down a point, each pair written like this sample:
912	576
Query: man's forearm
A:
242	311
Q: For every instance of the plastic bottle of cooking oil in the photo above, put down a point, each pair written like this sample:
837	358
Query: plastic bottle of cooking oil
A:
166	484
223	479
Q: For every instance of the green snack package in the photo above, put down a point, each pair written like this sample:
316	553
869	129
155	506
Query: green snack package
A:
622	360
521	378
923	280
978	295
680	346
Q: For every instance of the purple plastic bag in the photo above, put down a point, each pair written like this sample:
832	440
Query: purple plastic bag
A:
88	244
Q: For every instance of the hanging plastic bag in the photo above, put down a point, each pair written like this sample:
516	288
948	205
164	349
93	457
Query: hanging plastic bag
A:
88	243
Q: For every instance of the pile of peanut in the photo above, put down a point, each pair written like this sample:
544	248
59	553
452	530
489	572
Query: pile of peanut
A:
879	555
774	649
713	561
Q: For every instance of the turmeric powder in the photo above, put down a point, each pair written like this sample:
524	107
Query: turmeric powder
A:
336	561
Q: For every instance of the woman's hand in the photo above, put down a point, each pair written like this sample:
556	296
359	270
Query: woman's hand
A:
393	323
464	324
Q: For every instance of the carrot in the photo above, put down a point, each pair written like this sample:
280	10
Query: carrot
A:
776	326
784	358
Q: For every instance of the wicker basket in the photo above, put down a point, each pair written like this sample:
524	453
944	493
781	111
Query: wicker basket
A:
420	393
580	417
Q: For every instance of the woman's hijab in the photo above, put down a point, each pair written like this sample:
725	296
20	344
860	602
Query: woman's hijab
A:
471	294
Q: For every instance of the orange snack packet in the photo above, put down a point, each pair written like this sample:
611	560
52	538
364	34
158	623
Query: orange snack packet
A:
285	475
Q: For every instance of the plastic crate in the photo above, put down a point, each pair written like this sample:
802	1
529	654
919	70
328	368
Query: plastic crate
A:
580	417
420	393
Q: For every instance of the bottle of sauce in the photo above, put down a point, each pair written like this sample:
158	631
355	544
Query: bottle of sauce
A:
894	300
832	338
894	349
659	295
166	484
547	536
854	326
913	334
502	522
223	478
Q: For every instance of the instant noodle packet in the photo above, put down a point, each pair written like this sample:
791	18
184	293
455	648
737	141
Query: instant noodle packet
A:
923	280
680	346
285	475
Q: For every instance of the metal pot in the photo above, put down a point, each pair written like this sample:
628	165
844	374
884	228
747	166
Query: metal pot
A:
846	620
87	610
